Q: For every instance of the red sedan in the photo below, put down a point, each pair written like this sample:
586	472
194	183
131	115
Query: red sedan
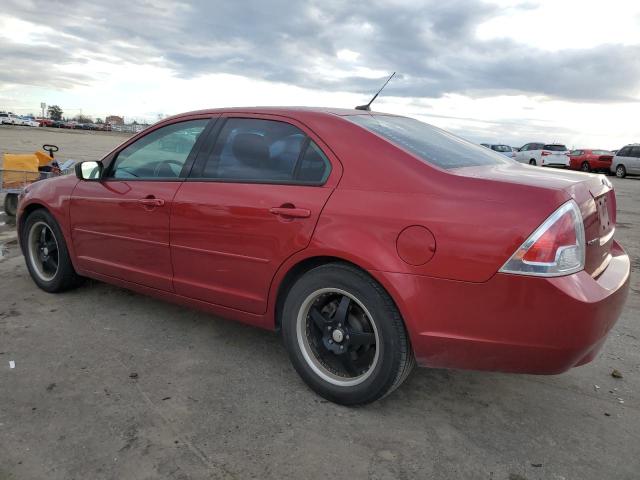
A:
370	241
589	160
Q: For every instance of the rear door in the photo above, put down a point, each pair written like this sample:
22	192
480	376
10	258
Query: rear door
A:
252	200
120	224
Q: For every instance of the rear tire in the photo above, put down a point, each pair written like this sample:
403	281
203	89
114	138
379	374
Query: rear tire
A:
345	336
621	172
11	204
532	162
585	167
46	253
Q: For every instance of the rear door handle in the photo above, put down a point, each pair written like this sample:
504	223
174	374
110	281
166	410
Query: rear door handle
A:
291	212
151	202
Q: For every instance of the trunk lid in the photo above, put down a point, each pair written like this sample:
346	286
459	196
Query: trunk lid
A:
593	194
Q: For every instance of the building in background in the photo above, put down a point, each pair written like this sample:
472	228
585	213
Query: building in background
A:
114	120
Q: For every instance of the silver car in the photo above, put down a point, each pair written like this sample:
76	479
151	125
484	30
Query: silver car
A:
627	161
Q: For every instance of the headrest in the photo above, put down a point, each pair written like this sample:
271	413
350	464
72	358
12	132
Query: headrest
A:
251	149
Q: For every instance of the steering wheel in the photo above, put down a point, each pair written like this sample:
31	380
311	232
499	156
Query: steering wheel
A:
50	148
162	163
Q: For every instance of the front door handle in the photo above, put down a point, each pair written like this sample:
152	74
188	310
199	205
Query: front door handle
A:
291	212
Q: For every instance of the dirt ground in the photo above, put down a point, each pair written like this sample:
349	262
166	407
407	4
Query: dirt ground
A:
109	384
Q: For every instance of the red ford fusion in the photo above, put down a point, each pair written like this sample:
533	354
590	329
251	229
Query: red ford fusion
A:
369	241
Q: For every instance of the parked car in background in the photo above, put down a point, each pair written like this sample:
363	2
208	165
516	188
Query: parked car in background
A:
8	118
28	122
543	154
589	160
505	150
626	161
346	232
57	123
45	122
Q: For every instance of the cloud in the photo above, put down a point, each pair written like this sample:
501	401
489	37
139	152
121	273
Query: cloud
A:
431	44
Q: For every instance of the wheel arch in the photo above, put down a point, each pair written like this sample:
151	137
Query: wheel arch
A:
294	270
24	214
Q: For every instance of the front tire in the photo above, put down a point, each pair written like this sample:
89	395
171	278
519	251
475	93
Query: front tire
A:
532	162
585	167
46	253
345	336
621	172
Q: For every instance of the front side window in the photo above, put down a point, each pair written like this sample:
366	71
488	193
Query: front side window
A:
428	143
160	154
265	151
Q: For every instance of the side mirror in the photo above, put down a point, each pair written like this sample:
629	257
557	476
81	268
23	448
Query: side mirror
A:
89	170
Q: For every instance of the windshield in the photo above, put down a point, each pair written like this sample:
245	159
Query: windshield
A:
555	148
428	143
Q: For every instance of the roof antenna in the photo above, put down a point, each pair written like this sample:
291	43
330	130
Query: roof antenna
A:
367	107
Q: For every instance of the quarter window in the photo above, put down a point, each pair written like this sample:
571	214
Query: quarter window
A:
160	154
265	151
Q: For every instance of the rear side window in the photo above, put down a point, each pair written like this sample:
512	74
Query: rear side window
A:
635	152
265	151
428	143
555	148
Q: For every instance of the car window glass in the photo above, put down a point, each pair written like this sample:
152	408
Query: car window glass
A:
160	154
501	148
601	152
314	165
427	142
624	152
257	150
635	152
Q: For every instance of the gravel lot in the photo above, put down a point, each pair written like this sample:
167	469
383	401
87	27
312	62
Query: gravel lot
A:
109	384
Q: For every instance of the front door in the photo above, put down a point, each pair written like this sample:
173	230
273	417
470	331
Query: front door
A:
120	224
253	200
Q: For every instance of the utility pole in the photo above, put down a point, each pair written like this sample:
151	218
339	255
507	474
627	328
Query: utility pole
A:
43	106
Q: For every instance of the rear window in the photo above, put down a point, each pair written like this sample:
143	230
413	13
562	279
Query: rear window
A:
501	148
428	143
555	148
602	152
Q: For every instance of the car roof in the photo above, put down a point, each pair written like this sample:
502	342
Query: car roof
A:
293	112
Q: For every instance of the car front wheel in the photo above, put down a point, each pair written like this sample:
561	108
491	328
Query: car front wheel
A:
585	167
621	172
46	253
344	335
532	162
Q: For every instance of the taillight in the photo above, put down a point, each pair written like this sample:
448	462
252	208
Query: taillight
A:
544	154
556	248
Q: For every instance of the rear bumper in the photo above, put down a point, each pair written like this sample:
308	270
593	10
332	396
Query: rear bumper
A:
512	323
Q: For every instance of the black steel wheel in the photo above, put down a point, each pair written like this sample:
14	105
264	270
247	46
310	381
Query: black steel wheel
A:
345	336
585	167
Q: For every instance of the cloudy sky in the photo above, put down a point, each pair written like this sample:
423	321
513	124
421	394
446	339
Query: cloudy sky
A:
492	71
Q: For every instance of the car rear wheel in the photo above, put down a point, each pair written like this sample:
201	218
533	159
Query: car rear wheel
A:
585	167
532	162
344	335
46	253
621	172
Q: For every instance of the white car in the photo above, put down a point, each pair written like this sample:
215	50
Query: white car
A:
28	122
627	161
8	118
544	154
